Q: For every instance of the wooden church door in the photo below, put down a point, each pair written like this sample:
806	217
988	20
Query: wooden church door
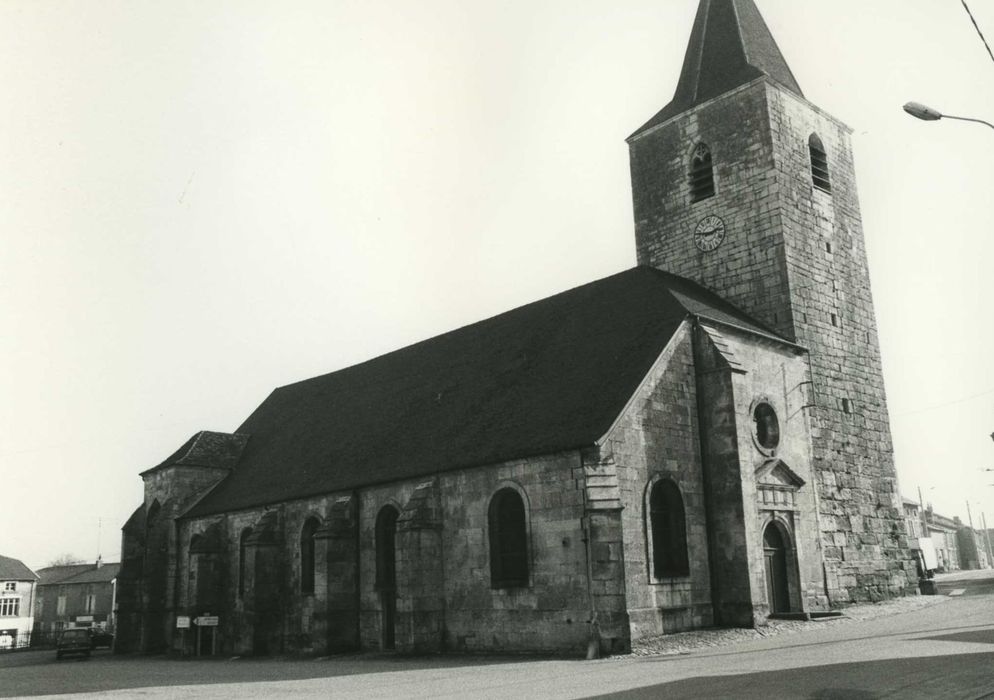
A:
775	555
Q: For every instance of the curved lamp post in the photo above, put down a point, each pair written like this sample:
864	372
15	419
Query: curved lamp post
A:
916	109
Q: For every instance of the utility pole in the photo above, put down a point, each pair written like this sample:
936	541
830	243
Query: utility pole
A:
987	538
973	534
921	509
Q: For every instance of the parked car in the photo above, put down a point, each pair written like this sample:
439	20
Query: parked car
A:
101	638
74	642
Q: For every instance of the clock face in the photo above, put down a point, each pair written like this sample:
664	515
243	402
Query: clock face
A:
709	234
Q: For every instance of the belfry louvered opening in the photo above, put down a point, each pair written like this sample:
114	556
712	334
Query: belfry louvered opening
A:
819	164
701	174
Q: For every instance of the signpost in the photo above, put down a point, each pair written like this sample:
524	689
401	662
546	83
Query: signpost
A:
182	622
205	625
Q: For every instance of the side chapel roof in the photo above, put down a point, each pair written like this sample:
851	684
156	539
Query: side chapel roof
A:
546	377
206	449
730	45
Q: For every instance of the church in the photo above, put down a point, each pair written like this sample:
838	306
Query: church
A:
700	441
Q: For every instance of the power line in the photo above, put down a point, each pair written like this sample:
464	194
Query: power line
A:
943	405
975	26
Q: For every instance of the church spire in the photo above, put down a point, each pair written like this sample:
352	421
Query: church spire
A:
730	45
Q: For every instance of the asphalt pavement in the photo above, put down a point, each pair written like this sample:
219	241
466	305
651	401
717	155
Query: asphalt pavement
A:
942	650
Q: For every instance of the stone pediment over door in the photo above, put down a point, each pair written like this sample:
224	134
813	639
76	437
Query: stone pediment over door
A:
777	484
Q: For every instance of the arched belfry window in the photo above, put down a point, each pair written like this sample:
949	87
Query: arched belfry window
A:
819	164
242	554
307	555
701	173
508	529
668	530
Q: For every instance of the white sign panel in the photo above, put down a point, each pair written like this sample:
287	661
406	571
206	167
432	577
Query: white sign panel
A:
928	552
182	622
206	621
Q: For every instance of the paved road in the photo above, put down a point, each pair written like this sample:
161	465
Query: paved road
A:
945	650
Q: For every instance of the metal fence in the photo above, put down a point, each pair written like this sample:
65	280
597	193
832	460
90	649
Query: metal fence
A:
21	640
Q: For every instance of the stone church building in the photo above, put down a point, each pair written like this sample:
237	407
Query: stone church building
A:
701	440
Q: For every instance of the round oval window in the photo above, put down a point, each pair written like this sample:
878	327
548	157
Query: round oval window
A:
767	426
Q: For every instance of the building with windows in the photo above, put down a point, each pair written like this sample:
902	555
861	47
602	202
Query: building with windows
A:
17	595
75	595
943	532
701	440
972	548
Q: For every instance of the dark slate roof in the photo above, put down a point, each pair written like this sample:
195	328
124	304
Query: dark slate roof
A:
94	574
15	570
206	449
546	377
730	45
58	574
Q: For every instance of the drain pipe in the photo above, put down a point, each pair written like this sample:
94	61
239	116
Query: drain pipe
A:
594	640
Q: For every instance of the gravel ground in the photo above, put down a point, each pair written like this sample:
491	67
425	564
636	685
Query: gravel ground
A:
686	642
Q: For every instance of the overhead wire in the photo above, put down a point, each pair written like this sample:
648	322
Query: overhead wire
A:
977	27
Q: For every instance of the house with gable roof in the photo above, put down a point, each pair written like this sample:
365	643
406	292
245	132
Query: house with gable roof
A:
75	595
17	595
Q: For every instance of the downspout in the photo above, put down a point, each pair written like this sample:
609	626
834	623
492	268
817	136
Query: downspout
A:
813	403
594	641
444	641
178	579
358	569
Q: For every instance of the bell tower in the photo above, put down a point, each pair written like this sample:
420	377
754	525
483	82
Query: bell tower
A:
744	186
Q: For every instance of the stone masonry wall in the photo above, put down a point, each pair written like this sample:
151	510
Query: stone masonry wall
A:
446	603
748	266
793	257
658	437
866	550
779	376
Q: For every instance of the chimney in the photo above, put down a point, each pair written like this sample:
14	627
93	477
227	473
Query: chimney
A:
100	560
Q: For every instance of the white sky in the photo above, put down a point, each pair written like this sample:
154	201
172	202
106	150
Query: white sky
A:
201	201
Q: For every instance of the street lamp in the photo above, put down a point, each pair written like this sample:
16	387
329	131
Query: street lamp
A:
920	111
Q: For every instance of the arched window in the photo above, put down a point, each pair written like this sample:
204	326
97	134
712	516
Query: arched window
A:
386	557
701	173
386	571
307	555
242	546
668	529
508	540
819	164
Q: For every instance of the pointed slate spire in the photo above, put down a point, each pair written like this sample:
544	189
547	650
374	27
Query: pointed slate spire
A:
730	45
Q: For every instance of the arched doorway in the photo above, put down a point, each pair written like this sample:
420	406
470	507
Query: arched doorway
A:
776	554
386	570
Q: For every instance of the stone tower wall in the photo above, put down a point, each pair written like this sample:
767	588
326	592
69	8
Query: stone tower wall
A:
865	545
793	256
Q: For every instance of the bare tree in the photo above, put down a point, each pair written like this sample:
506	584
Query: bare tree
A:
66	560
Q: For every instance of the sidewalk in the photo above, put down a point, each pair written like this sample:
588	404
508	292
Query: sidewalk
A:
685	642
